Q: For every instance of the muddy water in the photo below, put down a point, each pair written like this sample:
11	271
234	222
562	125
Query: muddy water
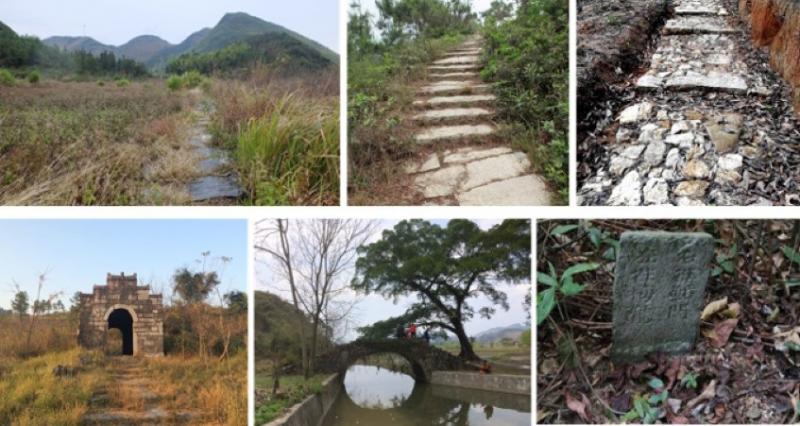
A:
373	395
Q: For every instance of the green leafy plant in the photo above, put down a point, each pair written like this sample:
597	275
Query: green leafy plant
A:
566	285
123	82
794	257
6	78
724	262
647	408
689	380
34	77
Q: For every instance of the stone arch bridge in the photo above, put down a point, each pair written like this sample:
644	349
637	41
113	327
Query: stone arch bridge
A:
423	358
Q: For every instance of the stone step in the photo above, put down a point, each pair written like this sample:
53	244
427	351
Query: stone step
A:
528	190
453	132
450	75
454	68
697	25
456	100
699	7
149	417
463	52
451	114
465	59
454	86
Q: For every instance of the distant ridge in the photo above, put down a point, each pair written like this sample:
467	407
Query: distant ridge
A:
156	52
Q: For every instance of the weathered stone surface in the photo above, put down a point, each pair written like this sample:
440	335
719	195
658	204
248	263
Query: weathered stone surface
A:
452	113
659	283
654	153
459	99
430	163
441	182
656	192
471	154
450	132
637	112
528	190
724	132
491	169
696	169
143	334
713	81
453	86
692	189
697	25
471	59
628	192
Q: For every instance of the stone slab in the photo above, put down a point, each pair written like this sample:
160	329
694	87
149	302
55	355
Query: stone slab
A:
430	163
451	113
459	99
464	59
452	86
471	154
490	169
459	67
723	82
441	182
450	75
528	190
697	25
454	132
659	283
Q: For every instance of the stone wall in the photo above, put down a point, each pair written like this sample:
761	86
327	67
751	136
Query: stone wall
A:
312	410
122	292
520	385
776	25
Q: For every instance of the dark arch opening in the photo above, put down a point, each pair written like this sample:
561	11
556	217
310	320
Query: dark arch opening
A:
122	320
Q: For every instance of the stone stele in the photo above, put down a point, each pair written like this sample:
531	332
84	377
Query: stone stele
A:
659	283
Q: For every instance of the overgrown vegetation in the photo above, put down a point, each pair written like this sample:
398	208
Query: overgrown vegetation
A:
87	144
527	60
284	136
380	72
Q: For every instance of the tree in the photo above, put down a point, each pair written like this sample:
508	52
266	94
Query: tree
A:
445	267
499	11
236	301
194	287
359	31
20	303
402	19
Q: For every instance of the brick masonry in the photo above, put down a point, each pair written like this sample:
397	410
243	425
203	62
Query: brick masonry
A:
122	292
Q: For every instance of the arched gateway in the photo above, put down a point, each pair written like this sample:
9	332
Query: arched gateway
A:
122	304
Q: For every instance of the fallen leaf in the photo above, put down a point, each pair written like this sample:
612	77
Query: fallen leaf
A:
714	307
733	310
637	369
672	372
548	366
722	332
719	411
621	402
708	393
578	406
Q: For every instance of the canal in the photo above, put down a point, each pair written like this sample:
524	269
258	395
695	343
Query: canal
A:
375	395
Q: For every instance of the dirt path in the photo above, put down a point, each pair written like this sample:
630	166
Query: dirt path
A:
217	183
696	130
130	399
461	165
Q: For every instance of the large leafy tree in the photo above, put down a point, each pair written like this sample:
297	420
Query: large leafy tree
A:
194	287
20	303
445	268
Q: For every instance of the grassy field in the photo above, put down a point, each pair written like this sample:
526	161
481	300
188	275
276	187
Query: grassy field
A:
82	143
283	133
103	143
293	389
518	356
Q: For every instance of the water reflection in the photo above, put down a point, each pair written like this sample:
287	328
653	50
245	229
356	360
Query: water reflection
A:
403	402
374	387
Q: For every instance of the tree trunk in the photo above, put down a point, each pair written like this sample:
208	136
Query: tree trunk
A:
466	346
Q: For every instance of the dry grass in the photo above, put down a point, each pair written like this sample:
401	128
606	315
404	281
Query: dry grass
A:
284	135
32	395
79	143
51	333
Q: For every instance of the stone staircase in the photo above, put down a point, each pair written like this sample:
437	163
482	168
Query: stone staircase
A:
678	141
140	405
462	162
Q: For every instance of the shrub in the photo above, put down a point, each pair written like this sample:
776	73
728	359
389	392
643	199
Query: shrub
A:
6	78
101	83
192	79
34	77
122	82
174	82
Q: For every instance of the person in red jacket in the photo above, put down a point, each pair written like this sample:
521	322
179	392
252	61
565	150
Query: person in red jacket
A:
412	330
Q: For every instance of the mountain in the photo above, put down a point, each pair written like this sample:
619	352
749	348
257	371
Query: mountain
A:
277	334
156	53
142	48
496	334
73	44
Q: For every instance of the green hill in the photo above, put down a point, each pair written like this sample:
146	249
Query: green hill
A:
143	48
74	44
276	329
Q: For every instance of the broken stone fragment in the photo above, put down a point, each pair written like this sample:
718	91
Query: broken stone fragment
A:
724	131
673	158
696	169
692	189
656	192
651	132
637	112
730	162
628	192
680	138
654	153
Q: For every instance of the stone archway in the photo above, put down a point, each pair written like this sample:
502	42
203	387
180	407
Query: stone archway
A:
122	320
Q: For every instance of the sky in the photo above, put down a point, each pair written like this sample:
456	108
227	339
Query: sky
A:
477	6
116	22
77	254
374	307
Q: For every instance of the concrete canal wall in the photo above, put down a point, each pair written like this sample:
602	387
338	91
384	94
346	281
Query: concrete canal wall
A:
312	410
520	385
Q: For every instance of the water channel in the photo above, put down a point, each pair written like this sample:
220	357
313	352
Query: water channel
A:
375	395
